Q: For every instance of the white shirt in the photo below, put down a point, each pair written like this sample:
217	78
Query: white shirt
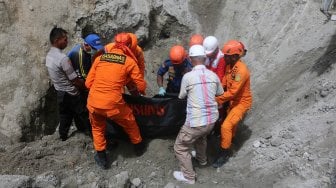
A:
61	71
201	86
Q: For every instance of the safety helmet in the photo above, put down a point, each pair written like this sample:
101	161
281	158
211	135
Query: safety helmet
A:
177	54
233	47
196	39
123	38
196	50
94	41
210	44
134	40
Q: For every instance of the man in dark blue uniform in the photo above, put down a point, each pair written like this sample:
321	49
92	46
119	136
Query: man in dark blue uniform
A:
177	65
81	57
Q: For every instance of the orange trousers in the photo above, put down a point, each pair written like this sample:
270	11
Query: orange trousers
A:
229	126
122	115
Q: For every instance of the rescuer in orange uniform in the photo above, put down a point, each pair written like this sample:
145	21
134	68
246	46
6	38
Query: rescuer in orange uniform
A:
108	75
196	39
138	56
238	93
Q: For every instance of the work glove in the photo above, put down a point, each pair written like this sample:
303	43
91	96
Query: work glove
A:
162	91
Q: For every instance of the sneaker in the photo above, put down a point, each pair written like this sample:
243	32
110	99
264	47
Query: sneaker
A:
178	175
193	153
202	163
139	148
101	159
196	162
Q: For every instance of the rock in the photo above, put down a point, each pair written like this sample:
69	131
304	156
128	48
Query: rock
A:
276	142
272	156
115	163
305	155
120	180
312	157
15	181
31	8
47	179
324	93
94	185
256	144
136	182
287	136
292	129
170	185
91	177
44	144
267	135
153	174
326	179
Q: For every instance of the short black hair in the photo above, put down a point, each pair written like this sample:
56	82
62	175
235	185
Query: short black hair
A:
56	33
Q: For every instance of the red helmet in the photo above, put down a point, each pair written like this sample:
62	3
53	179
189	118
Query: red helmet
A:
177	54
196	39
233	47
123	38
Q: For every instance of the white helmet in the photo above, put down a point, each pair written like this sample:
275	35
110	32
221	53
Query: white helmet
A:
196	50
210	44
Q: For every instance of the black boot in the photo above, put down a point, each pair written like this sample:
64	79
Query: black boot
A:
222	158
101	159
139	148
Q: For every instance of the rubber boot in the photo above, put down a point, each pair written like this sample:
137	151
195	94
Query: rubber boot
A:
101	159
222	158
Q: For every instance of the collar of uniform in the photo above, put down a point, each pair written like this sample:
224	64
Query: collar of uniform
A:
199	67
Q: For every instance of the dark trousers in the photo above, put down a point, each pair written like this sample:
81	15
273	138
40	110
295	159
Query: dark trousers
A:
72	107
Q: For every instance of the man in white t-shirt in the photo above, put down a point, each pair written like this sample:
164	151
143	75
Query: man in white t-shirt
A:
200	86
67	85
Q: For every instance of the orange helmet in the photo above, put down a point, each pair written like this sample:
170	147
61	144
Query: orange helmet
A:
177	54
123	38
233	47
134	40
196	39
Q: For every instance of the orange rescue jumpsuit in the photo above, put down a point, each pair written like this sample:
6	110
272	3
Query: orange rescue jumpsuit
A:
138	56
238	93
108	75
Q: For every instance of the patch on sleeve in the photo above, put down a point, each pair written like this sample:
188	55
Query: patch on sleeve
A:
237	78
113	58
